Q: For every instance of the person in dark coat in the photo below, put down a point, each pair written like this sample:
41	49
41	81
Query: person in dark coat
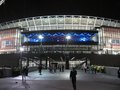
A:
62	68
40	69
73	74
119	72
25	71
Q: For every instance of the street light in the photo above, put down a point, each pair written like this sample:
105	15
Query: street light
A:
41	38
68	37
21	50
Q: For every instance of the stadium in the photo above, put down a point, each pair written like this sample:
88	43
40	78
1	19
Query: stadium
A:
63	36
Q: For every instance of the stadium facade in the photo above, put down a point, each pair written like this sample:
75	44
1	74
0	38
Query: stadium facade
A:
90	34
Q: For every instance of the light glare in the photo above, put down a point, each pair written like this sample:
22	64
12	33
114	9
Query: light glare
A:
68	37
40	37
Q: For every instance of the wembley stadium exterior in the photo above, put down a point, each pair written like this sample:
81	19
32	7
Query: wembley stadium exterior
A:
108	34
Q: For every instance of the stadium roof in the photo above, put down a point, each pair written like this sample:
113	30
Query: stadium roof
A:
56	22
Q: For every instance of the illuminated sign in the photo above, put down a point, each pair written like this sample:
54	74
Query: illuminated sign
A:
59	37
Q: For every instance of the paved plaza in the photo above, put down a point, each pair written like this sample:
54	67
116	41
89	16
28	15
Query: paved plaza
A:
61	81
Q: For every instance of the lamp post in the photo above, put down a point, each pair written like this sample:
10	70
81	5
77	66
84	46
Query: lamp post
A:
41	38
68	37
21	50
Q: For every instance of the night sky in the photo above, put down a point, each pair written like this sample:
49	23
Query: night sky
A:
16	9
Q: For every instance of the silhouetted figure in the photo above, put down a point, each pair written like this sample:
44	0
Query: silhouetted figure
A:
85	69
50	69
54	69
25	71
40	69
119	72
95	69
92	68
73	74
62	68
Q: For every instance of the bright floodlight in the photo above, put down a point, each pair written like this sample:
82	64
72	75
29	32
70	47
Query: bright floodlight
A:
21	49
68	37
2	1
40	37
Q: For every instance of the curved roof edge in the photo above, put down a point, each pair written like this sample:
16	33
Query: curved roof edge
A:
88	19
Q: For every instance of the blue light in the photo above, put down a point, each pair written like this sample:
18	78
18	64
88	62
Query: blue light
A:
60	37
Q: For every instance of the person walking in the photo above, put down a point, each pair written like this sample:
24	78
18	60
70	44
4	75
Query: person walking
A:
62	68
24	73
73	74
40	69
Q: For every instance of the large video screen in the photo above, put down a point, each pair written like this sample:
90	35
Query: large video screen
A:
72	37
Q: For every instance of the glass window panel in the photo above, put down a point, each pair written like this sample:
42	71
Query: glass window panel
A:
30	22
24	24
53	20
76	20
83	20
45	21
38	22
60	20
68	20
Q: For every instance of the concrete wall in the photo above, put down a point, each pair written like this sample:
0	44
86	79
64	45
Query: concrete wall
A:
9	60
105	60
111	70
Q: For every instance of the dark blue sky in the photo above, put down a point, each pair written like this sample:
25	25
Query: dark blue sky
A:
16	9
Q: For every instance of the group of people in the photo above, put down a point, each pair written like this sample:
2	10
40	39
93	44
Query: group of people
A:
93	69
73	74
53	68
61	68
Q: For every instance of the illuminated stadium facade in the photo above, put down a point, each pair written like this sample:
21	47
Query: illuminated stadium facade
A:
61	33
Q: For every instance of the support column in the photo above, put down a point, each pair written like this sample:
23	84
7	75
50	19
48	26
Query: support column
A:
67	62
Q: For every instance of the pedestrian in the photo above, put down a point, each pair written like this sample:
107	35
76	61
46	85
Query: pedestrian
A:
85	68
73	74
24	73
54	69
62	68
119	72
40	69
50	69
